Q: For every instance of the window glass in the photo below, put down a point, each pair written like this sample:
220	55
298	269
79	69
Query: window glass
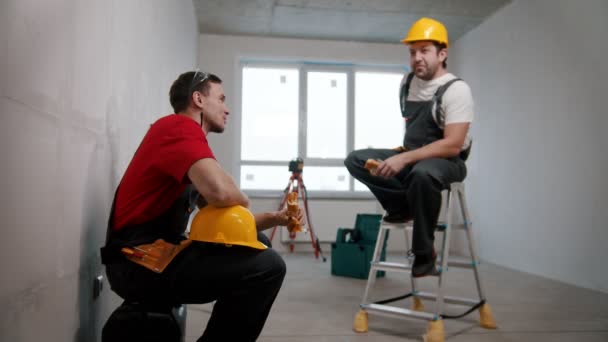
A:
378	120
326	115
270	114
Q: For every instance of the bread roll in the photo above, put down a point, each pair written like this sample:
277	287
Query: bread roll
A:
293	225
371	165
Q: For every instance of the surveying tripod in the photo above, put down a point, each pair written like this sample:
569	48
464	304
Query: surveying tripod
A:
296	168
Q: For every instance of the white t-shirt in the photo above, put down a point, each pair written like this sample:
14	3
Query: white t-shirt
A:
457	101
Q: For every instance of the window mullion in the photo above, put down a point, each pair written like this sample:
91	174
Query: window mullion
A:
350	119
302	115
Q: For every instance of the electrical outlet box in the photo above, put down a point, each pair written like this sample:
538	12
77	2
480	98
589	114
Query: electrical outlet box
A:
97	286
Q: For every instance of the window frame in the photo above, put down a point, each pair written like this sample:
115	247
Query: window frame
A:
350	69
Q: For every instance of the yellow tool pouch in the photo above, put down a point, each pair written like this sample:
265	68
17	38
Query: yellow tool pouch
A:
154	256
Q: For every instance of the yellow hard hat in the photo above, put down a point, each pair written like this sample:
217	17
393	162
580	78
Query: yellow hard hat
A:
230	226
427	29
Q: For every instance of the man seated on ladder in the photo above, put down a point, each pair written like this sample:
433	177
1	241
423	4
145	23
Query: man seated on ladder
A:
438	109
173	156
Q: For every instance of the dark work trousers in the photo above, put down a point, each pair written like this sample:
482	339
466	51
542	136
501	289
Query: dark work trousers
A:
243	281
416	190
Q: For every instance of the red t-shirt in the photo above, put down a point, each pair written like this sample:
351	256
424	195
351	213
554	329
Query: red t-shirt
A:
157	174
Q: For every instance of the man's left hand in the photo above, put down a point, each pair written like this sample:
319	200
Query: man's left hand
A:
393	165
282	216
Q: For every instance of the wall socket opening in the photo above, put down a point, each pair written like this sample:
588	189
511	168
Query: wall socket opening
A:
97	286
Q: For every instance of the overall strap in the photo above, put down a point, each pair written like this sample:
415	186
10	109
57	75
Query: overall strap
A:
437	99
439	111
405	90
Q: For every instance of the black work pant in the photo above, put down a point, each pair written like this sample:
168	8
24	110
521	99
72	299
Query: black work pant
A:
415	190
243	281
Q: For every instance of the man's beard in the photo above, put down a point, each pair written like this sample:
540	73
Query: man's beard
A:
213	128
427	74
217	129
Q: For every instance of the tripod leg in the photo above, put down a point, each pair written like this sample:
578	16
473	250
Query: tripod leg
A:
313	237
302	192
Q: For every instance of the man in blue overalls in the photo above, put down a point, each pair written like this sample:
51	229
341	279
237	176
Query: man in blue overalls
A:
438	109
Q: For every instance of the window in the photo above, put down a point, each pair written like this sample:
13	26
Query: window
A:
326	115
377	110
318	113
270	114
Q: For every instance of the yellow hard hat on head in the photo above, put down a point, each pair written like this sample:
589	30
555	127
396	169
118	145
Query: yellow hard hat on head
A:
229	226
427	29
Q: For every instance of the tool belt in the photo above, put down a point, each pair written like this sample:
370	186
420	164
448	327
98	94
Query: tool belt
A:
153	244
155	256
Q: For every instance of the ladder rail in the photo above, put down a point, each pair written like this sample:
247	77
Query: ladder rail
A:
464	210
371	279
445	252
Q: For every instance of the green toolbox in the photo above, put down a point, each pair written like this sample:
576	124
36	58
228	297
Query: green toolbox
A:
352	252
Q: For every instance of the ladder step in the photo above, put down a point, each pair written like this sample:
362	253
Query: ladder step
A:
392	311
442	226
395	266
388	225
390	266
448	299
409	225
458	262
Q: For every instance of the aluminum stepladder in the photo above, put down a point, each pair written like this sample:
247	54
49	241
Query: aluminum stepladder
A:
435	328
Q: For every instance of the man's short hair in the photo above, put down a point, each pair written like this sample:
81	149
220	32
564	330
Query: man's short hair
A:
441	46
186	84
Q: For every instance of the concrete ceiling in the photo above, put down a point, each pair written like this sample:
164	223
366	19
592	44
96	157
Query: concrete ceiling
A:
384	21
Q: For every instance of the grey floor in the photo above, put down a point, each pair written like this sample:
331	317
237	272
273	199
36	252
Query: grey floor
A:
315	306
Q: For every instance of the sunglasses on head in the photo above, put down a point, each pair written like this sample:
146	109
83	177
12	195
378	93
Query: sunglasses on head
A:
198	78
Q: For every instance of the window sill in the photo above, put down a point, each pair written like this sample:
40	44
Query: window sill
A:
313	195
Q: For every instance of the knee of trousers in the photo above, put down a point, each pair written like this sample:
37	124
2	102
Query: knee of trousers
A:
422	180
356	160
350	160
275	264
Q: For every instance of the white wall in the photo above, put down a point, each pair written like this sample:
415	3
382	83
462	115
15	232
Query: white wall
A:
538	171
222	54
81	82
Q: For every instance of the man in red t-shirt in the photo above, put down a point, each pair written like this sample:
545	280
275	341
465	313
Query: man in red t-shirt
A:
173	157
